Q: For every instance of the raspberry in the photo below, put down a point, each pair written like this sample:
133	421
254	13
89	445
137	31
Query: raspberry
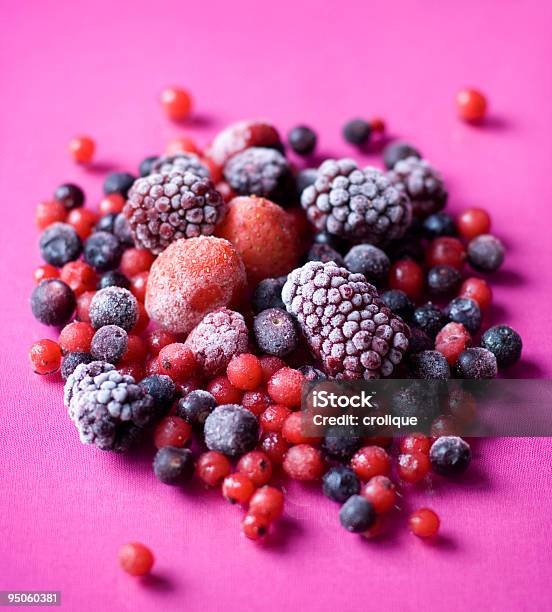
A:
232	430
71	196
177	361
59	243
244	372
339	483
274	445
371	461
355	203
238	488
485	253
304	462
477	289
421	183
263	234
267	502
162	208
413	467
52	302
216	339
49	212
212	468
191	278
262	172
76	337
344	321
256	466
172	431
452	340
179	163
275	332
450	456
285	386
381	493
136	559
79	276
45	357
114	306
274	417
109	343
173	466
397	151
505	344
223	391
181	144
424	523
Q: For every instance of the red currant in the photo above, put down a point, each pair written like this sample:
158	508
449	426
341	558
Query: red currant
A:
274	445
136	559
443	425
415	443
273	418
45	357
181	144
446	251
477	289
82	149
256	401
137	350
292	430
134	261
424	523
237	488
471	105
256	466
49	212
43	272
254	526
244	372
304	462
212	468
136	370
79	276
370	461
270	365
143	320
172	431
76	337
413	467
83	306
267	501
177	361
224	392
407	276
83	221
381	493
138	285
284	387
473	222
112	204
158	339
176	102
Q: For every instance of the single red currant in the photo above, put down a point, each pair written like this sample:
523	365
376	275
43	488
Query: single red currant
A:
304	462
477	289
285	386
267	501
177	102
424	523
413	467
415	443
212	468
473	222
245	372
45	357
370	461
256	466
471	105
407	276
273	418
82	149
237	488
224	392
172	431
381	493
136	559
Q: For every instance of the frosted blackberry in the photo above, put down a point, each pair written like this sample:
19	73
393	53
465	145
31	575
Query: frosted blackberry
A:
465	311
118	182
82	379
357	514
162	208
275	332
450	455
53	302
196	407
430	365
181	163
109	343
162	389
268	294
102	251
505	344
324	253
262	172
339	483
173	466
476	363
59	244
443	280
356	203
429	318
340	443
219	336
421	183
486	253
114	306
347	326
113	279
396	151
398	303
71	361
71	196
232	430
367	259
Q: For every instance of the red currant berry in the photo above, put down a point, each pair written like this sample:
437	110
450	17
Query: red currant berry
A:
255	526
79	276
375	530
256	466
112	204
407	276
304	462
138	285
83	306
136	559
76	337
268	502
415	443
45	357
424	523
153	366
224	392
136	352
177	361
452	340
43	272
378	125
212	468
172	431
471	105
256	401
473	222
181	144
136	370
381	493
446	251
134	261
413	467
237	488
143	320
193	384
158	339
83	221
274	445
284	387
177	102
370	461
82	149
244	372
273	418
49	212
477	289
270	365
292	430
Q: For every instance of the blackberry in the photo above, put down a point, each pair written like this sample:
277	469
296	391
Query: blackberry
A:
419	341
396	151
196	407
231	430
114	306
398	303
162	389
311	373
82	379
146	165
71	196
106	223
162	208
340	444
430	365
465	311
109	343
504	343
219	336
450	455
439	224
102	251
338	244
113	279
121	229
346	324
302	140
355	203
357	132
486	253
53	302
268	294
421	183
304	179
59	244
368	260
429	318
173	466
443	280
357	514
180	163
339	483
71	361
118	182
262	172
275	332
324	253
476	363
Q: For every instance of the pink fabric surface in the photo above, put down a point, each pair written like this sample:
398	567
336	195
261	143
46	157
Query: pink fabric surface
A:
96	68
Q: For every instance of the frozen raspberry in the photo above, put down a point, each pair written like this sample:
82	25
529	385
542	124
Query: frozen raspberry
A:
345	322
262	172
275	332
239	136
180	163
162	208
356	203
421	183
264	235
216	339
191	278
232	430
114	306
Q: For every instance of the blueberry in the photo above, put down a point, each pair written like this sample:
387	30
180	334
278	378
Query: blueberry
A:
268	294
339	483
476	363
162	389
443	280
114	306
53	302
340	444
450	455
368	260
102	251
121	229
430	365
71	196
337	243
397	151
429	318
398	302
439	224
232	430
324	253
196	407
173	466
302	140
106	223
113	279
275	332
109	343
505	344
146	165
415	399
71	361
311	373
304	179
118	182
357	514
465	311
59	244
485	253
357	131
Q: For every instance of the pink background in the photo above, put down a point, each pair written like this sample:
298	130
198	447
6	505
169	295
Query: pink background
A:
68	68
